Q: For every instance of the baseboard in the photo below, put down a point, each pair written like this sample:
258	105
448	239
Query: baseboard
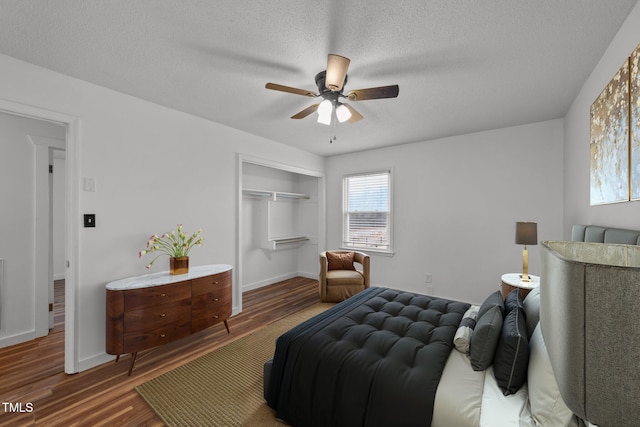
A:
17	339
267	282
272	280
101	359
313	276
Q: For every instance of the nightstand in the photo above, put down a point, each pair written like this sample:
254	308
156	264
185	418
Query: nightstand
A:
511	281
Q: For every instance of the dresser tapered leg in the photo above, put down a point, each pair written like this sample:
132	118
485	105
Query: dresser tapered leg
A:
133	361
226	325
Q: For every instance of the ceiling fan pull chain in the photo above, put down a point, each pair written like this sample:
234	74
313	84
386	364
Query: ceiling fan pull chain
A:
332	131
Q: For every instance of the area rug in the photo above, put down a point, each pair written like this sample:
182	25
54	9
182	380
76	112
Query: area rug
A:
224	387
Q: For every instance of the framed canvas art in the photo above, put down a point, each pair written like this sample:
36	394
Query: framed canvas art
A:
634	104
609	143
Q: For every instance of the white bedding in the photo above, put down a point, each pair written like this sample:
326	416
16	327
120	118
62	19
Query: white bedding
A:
472	398
468	398
459	395
504	411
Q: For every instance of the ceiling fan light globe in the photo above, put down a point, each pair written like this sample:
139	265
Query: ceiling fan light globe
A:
342	113
325	119
325	108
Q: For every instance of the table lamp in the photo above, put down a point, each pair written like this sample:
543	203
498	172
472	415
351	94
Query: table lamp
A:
526	234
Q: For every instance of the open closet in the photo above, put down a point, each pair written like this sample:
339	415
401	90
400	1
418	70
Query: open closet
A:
281	223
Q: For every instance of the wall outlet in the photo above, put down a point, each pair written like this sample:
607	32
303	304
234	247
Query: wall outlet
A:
431	290
428	278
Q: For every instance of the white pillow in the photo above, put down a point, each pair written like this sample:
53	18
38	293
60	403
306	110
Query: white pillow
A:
462	338
547	406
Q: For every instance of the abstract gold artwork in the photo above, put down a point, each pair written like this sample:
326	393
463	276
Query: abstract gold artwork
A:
609	145
634	64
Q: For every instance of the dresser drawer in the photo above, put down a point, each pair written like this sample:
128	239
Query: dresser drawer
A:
157	316
211	283
148	297
204	316
141	340
216	297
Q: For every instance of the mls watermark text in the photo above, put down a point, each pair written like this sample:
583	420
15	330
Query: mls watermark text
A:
17	407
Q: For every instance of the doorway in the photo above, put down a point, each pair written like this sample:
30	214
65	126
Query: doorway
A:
27	223
28	275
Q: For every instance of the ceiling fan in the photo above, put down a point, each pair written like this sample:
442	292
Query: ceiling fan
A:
330	87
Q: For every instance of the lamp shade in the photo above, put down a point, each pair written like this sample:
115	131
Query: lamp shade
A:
526	233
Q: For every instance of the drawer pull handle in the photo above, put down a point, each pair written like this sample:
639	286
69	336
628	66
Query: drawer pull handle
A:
162	335
216	299
215	317
163	295
162	315
215	283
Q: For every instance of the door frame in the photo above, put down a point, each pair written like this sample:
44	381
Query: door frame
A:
43	235
72	180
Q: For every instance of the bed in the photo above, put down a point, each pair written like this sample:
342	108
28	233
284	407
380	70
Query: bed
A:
389	357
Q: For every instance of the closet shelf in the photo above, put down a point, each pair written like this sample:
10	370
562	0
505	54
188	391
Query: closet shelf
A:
275	195
284	242
291	239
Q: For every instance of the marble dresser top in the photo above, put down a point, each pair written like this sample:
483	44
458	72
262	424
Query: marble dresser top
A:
164	278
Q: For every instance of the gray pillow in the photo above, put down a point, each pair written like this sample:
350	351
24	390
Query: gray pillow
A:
494	299
487	332
512	353
513	301
532	310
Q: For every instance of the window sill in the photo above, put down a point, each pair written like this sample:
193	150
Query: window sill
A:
368	251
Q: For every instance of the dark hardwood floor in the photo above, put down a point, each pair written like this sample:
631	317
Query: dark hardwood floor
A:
34	390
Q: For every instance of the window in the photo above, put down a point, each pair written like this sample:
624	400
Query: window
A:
366	211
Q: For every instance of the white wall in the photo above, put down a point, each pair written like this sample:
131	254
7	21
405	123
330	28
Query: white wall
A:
455	204
17	224
154	167
576	156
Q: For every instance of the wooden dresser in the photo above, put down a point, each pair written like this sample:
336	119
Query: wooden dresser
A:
154	309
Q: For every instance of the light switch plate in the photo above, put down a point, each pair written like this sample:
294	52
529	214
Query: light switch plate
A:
89	220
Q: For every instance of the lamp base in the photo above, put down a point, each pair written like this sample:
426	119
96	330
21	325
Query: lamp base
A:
524	277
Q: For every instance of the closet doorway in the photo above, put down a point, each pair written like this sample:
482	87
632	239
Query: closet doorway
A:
281	224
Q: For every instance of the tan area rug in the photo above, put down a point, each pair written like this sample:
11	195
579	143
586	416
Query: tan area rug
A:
224	387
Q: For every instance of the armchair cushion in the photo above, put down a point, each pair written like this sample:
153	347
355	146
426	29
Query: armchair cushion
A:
345	278
340	261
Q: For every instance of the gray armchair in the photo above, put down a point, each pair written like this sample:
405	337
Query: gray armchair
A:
339	279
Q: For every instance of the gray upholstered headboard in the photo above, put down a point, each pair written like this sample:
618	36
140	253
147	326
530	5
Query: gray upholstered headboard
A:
588	294
601	234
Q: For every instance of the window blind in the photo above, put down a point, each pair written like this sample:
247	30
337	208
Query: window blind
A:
367	211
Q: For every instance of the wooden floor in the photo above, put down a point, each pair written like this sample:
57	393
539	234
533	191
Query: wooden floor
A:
32	378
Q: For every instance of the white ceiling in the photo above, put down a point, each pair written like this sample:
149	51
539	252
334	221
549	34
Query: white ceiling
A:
462	66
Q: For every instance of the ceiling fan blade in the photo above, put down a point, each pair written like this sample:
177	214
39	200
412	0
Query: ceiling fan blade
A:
355	116
336	72
374	93
288	89
304	113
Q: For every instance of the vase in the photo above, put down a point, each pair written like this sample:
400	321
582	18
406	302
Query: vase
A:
179	265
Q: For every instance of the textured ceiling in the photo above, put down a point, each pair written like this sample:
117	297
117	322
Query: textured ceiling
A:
462	66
